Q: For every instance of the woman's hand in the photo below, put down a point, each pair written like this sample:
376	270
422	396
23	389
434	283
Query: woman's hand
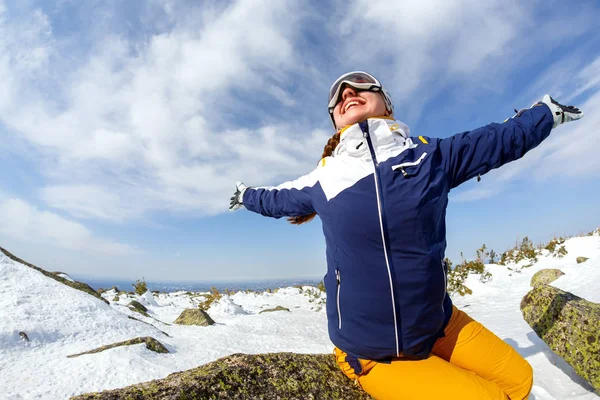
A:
561	113
237	201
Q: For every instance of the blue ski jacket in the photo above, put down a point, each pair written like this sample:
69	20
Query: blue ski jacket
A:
382	199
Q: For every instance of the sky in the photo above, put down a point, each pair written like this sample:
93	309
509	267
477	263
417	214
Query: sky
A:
61	321
125	125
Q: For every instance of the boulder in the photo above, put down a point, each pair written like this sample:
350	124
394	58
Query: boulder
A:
581	259
545	276
194	316
569	325
241	376
138	307
150	342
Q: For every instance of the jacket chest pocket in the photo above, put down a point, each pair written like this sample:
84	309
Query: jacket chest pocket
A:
409	168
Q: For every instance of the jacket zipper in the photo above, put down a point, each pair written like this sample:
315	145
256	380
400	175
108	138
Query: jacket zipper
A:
445	282
338	277
408	164
365	129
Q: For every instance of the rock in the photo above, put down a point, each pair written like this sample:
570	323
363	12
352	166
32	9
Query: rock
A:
278	308
75	285
24	336
194	316
569	325
138	307
545	276
581	259
240	376
151	344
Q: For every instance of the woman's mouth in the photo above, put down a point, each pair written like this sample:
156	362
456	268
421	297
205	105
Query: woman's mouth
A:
351	104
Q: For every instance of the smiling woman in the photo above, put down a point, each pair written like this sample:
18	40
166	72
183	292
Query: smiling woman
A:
382	199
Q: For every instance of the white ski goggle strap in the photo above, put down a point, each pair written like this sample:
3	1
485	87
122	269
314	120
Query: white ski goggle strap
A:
358	80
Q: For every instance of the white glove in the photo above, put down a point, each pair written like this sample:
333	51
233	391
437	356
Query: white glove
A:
561	113
237	200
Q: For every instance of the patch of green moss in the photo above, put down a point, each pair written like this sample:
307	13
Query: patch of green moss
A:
151	344
278	308
239	376
75	285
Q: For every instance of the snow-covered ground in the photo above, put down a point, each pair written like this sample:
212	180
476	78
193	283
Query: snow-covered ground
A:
61	321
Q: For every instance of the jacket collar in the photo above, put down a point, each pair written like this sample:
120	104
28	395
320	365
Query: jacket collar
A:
384	133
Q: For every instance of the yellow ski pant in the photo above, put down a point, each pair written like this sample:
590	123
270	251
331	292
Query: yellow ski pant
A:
469	363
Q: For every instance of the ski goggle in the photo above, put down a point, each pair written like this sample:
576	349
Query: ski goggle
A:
358	80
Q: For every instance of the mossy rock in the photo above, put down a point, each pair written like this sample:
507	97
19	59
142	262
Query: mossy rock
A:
138	307
545	276
581	259
116	298
194	316
75	285
151	344
241	376
278	308
569	325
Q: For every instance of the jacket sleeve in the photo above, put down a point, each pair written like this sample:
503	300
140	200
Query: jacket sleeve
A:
290	199
466	155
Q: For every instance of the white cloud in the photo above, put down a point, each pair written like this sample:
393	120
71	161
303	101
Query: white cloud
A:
430	46
144	125
20	220
169	119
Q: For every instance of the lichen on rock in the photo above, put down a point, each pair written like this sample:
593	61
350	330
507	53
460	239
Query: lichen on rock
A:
194	316
240	376
545	276
150	342
581	259
569	325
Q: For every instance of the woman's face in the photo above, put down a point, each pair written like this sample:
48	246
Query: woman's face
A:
356	106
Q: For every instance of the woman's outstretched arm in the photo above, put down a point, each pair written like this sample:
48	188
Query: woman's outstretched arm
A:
469	154
290	199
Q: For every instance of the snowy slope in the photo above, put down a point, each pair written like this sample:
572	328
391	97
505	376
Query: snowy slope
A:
61	321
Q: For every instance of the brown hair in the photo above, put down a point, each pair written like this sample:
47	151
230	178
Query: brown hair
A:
327	151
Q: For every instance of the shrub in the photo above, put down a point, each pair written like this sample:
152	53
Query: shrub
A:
140	287
522	251
315	297
556	247
456	278
321	286
210	298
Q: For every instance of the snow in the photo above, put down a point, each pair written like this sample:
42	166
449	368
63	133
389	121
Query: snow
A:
61	321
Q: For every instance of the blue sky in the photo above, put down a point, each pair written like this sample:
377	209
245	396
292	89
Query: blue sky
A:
124	125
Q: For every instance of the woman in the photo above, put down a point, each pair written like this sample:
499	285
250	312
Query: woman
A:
382	196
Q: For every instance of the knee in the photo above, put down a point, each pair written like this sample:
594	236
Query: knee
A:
522	388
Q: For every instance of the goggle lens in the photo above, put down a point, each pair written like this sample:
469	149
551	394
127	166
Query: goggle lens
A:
358	80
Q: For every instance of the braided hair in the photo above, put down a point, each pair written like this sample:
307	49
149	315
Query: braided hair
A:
327	151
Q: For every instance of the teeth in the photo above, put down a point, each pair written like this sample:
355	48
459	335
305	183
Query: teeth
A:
352	103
